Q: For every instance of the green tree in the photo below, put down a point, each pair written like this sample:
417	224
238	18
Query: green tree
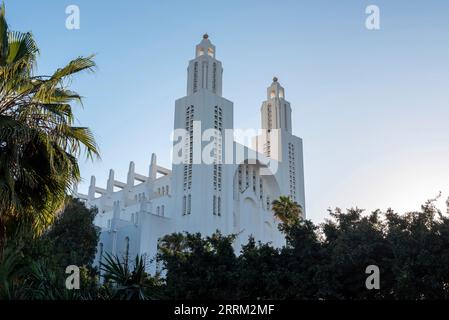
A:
353	242
286	210
258	271
420	243
73	237
328	261
34	268
302	268
39	145
199	268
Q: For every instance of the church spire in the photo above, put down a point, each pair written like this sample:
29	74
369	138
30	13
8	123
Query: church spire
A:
276	111
275	90
205	47
205	72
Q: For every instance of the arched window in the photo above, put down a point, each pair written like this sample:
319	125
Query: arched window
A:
281	94
184	207
162	210
132	218
219	206
158	210
166	189
214	203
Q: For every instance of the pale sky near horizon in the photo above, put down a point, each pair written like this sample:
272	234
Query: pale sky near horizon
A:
371	106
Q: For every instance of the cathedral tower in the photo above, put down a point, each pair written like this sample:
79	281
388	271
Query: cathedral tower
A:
276	111
204	114
278	142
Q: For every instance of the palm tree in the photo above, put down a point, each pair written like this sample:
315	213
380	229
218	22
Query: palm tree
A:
39	145
122	283
286	210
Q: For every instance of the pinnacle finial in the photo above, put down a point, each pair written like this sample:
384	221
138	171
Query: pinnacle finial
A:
275	79
205	36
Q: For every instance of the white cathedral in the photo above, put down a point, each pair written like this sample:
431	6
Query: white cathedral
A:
232	194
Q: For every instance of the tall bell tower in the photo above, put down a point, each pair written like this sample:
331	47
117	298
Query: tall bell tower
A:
278	142
202	201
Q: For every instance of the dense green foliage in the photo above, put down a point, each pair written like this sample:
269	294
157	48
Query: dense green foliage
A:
34	268
199	268
319	262
73	236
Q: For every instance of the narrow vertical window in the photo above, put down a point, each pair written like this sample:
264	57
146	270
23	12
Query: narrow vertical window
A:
254	180
189	204
240	178
126	251
204	68
286	117
246	177
214	77
195	77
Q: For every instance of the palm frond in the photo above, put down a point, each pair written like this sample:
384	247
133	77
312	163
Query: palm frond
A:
74	66
21	46
3	36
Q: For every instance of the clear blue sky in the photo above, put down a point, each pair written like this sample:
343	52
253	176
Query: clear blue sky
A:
371	106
